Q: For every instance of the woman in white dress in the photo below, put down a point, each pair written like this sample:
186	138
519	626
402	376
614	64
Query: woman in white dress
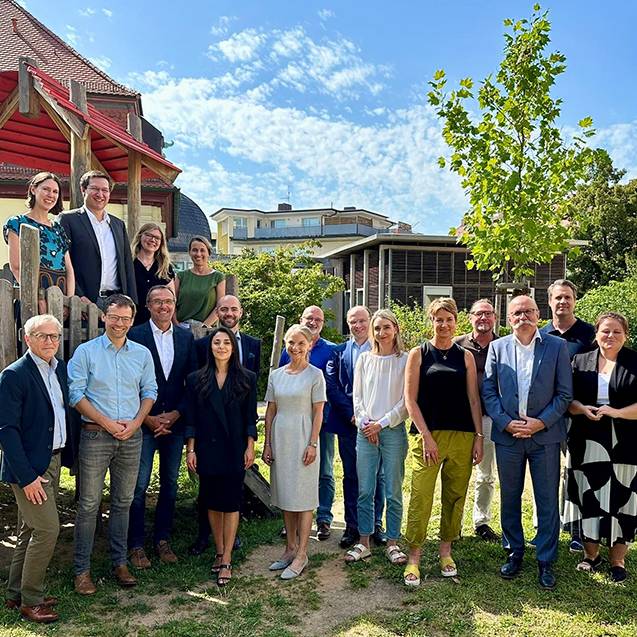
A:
380	412
295	397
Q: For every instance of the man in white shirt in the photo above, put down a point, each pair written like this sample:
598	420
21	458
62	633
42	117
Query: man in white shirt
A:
526	389
100	249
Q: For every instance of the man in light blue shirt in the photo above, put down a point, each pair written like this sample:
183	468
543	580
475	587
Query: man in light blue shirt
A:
112	384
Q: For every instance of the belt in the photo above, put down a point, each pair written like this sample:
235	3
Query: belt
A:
92	426
106	293
56	451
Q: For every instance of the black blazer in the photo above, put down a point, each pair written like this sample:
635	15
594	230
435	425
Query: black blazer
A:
170	391
250	349
220	425
86	258
26	422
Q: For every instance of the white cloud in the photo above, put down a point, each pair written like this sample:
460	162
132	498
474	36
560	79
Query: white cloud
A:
102	62
72	35
87	12
240	47
325	14
620	140
222	26
107	12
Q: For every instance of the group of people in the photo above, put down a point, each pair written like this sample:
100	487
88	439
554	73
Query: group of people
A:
86	252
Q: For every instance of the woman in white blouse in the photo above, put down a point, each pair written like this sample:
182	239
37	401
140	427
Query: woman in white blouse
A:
379	410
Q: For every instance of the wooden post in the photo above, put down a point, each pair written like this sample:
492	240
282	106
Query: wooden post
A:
28	104
232	287
29	271
93	316
8	351
80	146
55	306
75	323
134	204
277	342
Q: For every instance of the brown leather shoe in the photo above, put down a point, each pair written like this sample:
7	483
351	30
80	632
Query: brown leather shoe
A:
124	577
12	604
40	614
138	558
84	584
165	553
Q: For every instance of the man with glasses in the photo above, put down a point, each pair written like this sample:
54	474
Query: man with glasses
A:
112	384
482	317
173	352
100	249
36	439
527	388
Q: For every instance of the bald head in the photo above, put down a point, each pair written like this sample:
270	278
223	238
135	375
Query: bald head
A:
313	318
230	312
523	317
358	318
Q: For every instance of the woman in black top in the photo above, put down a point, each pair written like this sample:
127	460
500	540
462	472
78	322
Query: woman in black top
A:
442	398
151	262
220	436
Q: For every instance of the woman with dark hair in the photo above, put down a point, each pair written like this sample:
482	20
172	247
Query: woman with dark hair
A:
220	435
43	199
602	441
152	265
198	288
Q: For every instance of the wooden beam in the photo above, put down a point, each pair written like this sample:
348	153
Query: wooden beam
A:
9	107
8	351
29	271
61	125
77	95
80	145
277	341
76	124
134	204
134	126
29	105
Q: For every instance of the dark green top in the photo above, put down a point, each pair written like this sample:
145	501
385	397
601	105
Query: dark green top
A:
197	294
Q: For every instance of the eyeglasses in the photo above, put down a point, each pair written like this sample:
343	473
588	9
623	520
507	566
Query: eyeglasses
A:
160	302
103	191
154	237
528	312
484	313
43	338
126	320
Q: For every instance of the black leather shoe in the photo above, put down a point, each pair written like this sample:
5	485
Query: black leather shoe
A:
512	567
350	537
485	532
200	545
546	577
323	531
380	539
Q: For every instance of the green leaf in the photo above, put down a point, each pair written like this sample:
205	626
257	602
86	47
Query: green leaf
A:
439	74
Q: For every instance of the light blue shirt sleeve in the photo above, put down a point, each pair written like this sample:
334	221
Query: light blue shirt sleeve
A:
78	376
148	385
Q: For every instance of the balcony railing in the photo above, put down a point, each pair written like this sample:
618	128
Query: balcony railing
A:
309	232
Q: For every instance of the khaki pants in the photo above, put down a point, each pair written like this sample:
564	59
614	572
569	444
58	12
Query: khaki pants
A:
454	449
38	529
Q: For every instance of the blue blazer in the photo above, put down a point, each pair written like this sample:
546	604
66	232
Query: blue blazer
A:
170	391
26	422
250	349
550	393
339	383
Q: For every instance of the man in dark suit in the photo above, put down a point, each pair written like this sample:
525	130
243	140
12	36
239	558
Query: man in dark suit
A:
230	311
173	353
100	250
527	387
36	439
339	381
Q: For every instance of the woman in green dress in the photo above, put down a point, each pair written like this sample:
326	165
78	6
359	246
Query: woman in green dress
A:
199	287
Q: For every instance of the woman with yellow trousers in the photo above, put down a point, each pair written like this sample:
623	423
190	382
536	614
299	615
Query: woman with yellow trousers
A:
442	398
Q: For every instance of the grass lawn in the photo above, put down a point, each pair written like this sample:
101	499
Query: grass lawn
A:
366	599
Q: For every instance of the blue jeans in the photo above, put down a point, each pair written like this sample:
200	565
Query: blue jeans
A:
392	451
169	448
99	451
544	462
326	478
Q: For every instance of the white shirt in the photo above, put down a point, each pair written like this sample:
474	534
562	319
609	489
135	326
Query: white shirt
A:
357	350
165	347
603	383
237	336
108	253
378	393
47	371
524	355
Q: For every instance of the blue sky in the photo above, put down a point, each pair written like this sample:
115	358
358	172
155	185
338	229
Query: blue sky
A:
327	99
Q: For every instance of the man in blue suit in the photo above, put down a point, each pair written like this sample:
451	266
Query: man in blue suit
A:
173	352
36	439
339	380
527	388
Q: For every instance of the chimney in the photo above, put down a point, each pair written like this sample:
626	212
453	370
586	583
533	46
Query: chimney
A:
14	24
350	208
284	207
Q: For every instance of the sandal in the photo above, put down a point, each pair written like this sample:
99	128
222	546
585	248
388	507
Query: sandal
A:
222	581
412	569
395	555
215	566
448	567
589	565
357	553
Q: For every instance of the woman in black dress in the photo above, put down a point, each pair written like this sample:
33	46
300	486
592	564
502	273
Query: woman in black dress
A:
602	440
151	262
220	437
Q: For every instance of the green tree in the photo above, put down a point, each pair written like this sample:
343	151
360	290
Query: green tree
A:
604	213
514	166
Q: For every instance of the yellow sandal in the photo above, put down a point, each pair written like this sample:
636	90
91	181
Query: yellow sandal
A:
448	567
412	569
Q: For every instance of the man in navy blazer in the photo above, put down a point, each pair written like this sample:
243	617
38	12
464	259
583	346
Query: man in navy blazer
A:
527	388
36	439
100	250
173	352
230	312
339	381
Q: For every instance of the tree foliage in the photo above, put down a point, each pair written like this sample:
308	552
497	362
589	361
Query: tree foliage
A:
604	212
513	163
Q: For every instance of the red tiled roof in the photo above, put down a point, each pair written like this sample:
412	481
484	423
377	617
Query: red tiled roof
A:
54	56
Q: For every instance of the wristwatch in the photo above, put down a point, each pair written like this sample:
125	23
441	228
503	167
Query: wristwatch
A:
312	444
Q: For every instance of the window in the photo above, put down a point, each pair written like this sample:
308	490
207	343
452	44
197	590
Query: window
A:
239	222
359	296
311	222
432	292
346	300
279	223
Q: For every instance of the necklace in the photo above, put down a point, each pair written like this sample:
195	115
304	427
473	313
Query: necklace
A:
443	352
